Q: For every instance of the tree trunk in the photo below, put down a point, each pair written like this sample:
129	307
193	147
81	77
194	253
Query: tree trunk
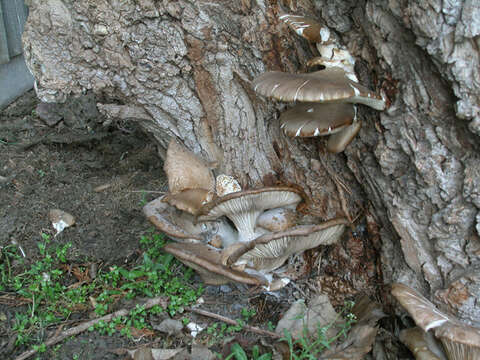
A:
183	69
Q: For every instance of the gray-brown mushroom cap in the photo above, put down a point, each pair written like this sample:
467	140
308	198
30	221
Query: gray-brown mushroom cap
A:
316	119
269	251
207	262
460	341
422	344
326	85
244	207
305	27
176	224
191	200
185	170
182	227
340	140
423	311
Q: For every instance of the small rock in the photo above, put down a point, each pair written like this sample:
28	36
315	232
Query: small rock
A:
169	326
61	219
100	29
49	113
225	289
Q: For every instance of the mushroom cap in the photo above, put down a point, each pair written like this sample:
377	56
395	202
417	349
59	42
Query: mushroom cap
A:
460	341
176	224
244	207
422	344
190	200
316	119
185	170
182	227
326	85
207	262
275	220
423	312
272	254
340	140
307	28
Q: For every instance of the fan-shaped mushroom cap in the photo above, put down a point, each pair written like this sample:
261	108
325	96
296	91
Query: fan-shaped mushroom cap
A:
270	251
244	207
459	340
316	119
330	84
207	262
424	312
185	170
339	141
307	28
275	220
190	200
181	226
423	345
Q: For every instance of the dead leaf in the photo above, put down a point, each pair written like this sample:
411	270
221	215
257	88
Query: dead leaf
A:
154	354
169	326
318	313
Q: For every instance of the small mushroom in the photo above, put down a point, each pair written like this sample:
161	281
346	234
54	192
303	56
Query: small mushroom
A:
270	251
185	170
340	140
275	220
326	85
207	262
190	200
421	344
317	119
460	341
244	207
307	28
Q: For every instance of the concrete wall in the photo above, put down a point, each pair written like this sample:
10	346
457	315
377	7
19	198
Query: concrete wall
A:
15	78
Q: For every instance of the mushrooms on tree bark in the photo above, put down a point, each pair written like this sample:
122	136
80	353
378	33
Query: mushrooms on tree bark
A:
336	85
243	208
460	341
269	251
181	226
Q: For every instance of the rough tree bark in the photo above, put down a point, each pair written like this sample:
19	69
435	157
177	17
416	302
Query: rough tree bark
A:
183	68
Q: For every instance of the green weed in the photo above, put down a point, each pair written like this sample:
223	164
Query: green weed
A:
44	286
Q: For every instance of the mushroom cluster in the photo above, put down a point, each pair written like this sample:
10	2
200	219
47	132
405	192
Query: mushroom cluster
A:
326	97
460	341
227	234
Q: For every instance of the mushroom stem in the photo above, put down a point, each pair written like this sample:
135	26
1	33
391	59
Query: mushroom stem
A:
265	239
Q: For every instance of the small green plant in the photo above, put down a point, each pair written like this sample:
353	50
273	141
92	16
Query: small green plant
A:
239	354
305	348
46	286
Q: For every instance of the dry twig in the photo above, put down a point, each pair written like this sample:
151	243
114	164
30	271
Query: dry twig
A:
84	326
233	322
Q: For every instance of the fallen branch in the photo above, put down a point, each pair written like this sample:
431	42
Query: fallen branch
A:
84	326
233	322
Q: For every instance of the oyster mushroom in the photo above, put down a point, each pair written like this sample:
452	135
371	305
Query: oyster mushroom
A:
207	262
244	207
460	341
422	344
316	119
185	170
326	85
181	226
270	251
190	200
339	120
276	220
332	53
